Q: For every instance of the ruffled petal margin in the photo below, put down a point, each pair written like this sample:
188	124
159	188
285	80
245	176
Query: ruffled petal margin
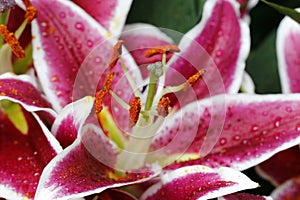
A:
237	131
288	48
198	182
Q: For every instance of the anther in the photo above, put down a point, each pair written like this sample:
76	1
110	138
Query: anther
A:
161	50
103	92
12	41
163	106
31	11
134	110
117	51
195	78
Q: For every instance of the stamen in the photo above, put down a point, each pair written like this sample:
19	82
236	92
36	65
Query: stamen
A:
163	106
31	12
117	51
13	42
194	79
161	50
134	110
103	92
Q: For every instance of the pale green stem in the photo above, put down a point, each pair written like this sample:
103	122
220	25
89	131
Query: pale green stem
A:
137	148
129	79
119	100
151	91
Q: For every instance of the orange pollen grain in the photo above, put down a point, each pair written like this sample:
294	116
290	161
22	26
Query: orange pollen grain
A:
134	110
12	41
117	51
161	50
31	12
196	77
163	106
103	92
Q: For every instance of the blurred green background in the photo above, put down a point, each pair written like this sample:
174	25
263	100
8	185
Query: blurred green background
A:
182	15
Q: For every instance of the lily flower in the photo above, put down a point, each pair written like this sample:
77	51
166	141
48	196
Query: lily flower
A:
287	161
26	144
141	131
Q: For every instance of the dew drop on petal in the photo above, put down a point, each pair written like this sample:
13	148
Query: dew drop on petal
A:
277	122
288	109
254	128
62	15
298	127
236	137
90	43
79	26
223	141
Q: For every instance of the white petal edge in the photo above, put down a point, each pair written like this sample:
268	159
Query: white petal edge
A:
29	108
284	28
79	109
146	30
42	192
266	198
38	55
247	84
244	47
225	173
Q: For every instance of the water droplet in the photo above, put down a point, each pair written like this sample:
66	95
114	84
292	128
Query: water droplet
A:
298	127
36	174
79	26
288	109
20	158
62	15
236	137
277	122
245	141
35	153
265	113
90	43
44	24
98	59
223	141
254	128
219	53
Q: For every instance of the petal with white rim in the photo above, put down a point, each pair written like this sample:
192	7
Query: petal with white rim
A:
288	190
238	131
111	14
286	161
85	168
24	156
244	196
209	45
288	47
198	182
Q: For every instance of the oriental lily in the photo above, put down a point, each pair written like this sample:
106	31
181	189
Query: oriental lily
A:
26	144
110	156
288	161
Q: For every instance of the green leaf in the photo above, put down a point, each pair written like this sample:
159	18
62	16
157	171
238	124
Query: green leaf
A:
179	15
284	10
262	66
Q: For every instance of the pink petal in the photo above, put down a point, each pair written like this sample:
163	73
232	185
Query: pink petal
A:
71	118
237	131
62	50
84	168
243	196
112	194
111	14
290	190
23	157
288	47
210	46
20	89
138	38
198	182
285	161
